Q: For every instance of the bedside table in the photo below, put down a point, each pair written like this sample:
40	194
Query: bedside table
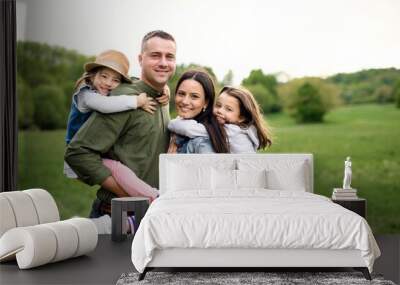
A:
119	211
358	205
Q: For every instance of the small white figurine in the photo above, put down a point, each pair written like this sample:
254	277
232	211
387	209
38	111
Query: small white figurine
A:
347	174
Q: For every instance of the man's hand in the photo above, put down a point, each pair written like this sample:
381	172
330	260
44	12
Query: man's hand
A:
146	103
164	98
111	185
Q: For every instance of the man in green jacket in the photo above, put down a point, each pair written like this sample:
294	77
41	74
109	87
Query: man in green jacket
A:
135	137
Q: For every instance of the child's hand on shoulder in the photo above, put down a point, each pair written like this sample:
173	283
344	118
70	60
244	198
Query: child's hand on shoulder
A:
164	98
146	103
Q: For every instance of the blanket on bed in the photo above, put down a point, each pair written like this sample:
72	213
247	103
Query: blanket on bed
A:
252	218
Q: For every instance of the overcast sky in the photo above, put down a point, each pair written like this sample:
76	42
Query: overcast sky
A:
297	37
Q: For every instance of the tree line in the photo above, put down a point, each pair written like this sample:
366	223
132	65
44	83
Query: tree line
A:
45	82
46	76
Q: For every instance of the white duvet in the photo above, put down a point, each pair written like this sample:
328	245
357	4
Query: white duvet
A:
250	219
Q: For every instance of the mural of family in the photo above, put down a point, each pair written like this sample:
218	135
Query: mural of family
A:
118	125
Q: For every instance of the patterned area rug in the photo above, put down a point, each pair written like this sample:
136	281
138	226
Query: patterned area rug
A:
242	278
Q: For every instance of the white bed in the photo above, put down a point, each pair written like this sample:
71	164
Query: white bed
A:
258	210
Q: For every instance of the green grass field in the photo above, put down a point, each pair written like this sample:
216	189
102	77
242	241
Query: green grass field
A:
370	134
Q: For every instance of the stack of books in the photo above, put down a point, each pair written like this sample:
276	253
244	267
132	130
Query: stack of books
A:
344	194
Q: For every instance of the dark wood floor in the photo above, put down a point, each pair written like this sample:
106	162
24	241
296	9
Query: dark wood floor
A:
110	260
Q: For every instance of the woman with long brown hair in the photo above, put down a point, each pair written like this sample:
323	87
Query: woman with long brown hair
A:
194	100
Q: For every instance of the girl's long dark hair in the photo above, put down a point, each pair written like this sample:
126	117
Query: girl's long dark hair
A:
216	132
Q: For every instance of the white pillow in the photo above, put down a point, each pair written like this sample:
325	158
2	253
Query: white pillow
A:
227	179
251	178
224	179
291	180
285	174
188	177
